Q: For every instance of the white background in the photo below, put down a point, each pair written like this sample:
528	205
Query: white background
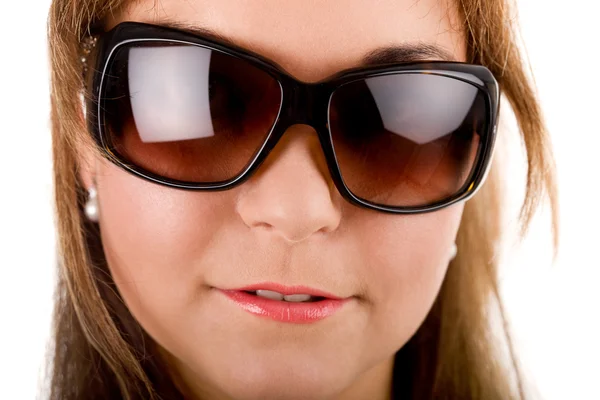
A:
554	307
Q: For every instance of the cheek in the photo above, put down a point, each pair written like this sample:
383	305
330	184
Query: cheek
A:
151	235
407	259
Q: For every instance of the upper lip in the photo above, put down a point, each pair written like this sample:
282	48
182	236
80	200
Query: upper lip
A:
288	290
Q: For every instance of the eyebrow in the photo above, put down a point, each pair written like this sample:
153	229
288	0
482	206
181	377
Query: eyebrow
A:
401	53
407	53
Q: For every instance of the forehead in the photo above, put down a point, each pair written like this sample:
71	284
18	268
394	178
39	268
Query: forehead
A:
312	39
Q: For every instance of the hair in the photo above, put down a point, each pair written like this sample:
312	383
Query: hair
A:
99	350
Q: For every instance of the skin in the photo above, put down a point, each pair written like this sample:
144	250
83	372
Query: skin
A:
167	249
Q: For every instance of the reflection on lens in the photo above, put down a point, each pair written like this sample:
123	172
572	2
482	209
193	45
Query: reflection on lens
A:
407	140
186	112
181	94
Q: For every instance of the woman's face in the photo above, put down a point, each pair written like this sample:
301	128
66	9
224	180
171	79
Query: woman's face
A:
170	251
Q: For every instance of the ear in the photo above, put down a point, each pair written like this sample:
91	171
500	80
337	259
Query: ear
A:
86	158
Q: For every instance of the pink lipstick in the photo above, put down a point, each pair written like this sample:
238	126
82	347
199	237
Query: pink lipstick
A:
300	305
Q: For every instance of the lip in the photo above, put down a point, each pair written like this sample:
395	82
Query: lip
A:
288	290
283	311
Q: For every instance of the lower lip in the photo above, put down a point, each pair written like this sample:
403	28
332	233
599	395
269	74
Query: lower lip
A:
285	311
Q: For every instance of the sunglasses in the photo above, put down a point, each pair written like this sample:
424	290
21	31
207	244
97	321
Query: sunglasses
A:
192	112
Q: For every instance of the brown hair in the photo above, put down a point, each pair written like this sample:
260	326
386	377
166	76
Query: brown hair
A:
101	352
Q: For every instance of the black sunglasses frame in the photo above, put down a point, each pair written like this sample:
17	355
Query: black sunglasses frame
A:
301	103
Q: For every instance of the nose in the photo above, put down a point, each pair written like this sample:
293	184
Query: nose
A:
292	194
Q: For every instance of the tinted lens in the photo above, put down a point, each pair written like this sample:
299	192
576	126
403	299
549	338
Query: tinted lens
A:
186	112
407	140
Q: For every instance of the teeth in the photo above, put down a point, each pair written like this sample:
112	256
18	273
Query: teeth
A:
297	297
269	294
278	296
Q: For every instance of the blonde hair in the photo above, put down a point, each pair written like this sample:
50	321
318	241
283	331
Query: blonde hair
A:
100	351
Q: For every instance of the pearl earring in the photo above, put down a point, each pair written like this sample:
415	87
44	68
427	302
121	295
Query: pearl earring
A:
453	251
91	206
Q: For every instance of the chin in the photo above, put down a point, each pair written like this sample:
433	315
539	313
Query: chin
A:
284	381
